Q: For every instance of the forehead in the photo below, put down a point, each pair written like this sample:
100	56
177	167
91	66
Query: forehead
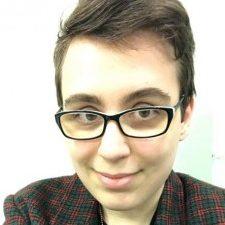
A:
109	72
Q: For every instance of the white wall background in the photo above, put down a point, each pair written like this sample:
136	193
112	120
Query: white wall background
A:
31	146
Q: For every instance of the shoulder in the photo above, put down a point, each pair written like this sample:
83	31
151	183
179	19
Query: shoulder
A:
203	201
44	195
43	189
195	186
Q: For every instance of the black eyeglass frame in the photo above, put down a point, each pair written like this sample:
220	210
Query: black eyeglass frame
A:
170	110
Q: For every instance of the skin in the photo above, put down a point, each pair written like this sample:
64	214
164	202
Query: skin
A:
95	68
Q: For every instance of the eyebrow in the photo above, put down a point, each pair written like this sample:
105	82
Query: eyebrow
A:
141	93
147	92
82	98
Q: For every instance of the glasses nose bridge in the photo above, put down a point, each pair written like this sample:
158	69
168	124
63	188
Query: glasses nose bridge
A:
115	118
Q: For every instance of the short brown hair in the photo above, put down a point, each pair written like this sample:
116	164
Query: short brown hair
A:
113	20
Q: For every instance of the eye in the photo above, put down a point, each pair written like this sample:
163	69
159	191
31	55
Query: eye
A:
87	117
81	118
146	113
90	117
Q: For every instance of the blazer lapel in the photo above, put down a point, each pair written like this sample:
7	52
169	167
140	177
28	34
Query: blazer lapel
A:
171	207
77	206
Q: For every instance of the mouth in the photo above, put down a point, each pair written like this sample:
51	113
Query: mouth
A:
117	181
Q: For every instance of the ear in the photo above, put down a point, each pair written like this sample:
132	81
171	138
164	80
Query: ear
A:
186	120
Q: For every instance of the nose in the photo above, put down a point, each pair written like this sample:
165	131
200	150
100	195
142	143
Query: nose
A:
113	144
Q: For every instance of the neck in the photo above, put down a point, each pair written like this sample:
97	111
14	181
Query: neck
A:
145	213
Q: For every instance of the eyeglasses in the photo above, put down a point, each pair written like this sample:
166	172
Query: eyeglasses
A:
144	122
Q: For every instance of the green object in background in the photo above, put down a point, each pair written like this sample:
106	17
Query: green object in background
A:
194	156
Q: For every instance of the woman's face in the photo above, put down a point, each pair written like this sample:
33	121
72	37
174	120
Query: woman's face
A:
121	172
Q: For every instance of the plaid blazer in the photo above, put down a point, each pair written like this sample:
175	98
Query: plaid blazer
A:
65	201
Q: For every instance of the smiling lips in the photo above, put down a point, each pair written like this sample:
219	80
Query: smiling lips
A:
118	181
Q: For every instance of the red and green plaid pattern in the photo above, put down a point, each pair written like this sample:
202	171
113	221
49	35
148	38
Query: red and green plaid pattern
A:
65	201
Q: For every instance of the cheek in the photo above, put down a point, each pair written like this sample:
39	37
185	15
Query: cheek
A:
149	148
156	150
82	151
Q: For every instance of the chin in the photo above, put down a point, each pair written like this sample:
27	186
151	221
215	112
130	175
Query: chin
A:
119	202
119	206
